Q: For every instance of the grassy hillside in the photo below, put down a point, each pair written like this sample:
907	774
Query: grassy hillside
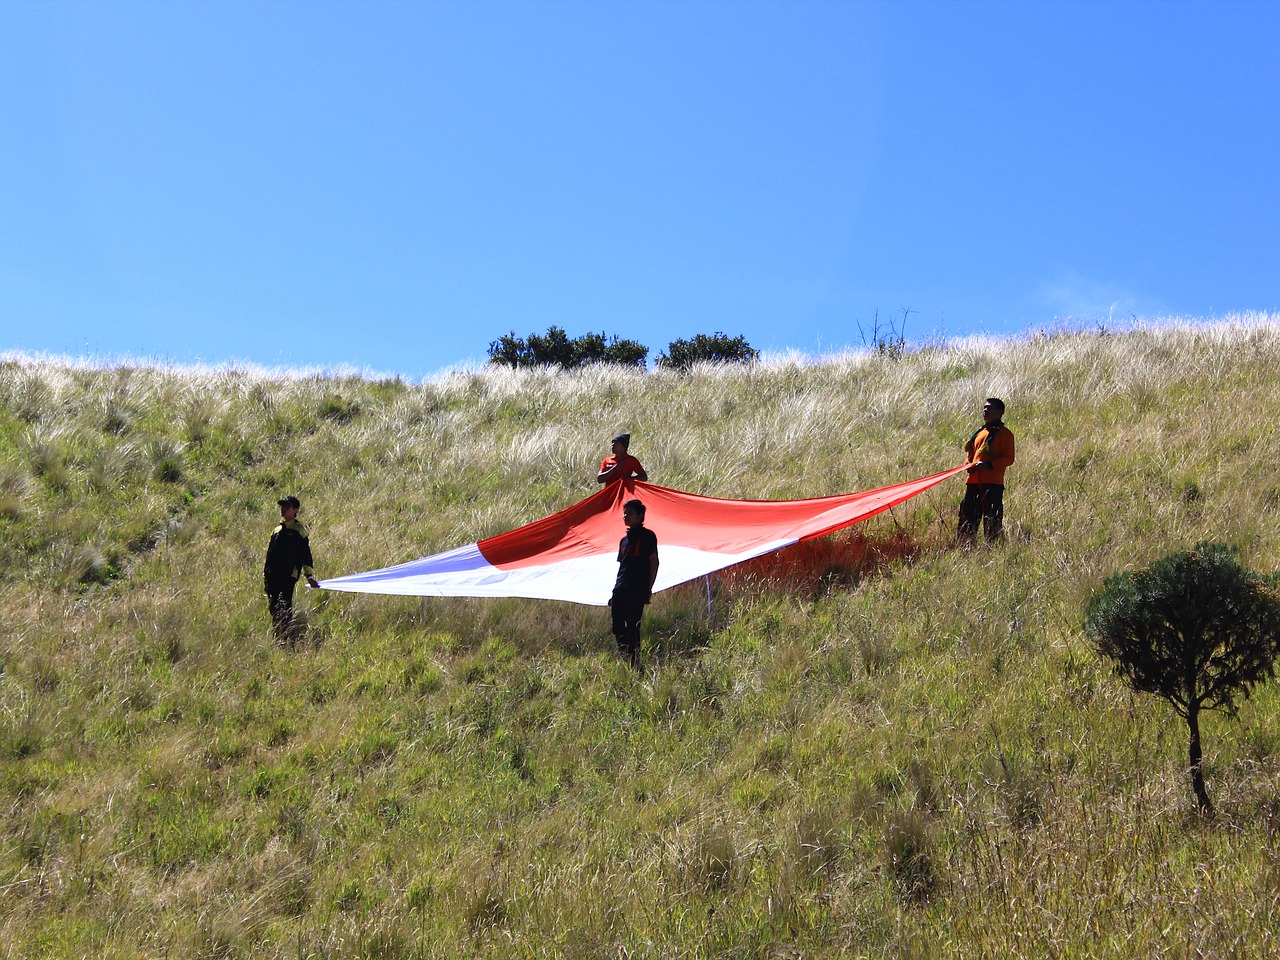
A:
877	746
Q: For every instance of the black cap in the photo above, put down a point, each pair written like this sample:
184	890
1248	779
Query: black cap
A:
290	501
622	438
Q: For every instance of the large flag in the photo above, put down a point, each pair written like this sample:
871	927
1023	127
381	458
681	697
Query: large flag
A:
573	555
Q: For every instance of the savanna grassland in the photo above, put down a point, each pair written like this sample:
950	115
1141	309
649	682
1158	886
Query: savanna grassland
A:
879	746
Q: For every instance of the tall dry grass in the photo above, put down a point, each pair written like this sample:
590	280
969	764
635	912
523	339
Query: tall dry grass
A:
872	746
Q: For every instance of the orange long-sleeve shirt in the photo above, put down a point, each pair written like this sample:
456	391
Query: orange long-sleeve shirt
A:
993	445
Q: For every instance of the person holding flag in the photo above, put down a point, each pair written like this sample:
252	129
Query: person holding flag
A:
637	571
989	452
620	465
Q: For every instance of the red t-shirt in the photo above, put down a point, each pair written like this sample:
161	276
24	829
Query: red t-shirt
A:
630	466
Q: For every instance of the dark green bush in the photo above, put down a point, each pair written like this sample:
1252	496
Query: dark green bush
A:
716	348
555	348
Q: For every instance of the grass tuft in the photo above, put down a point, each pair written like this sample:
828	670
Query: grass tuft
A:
909	856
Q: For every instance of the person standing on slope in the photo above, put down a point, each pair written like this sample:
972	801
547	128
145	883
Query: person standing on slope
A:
637	571
989	452
620	465
288	555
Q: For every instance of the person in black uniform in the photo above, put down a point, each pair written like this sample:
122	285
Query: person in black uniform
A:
637	570
288	555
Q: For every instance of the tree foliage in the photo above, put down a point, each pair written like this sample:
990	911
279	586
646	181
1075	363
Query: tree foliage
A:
716	348
1195	628
593	348
555	348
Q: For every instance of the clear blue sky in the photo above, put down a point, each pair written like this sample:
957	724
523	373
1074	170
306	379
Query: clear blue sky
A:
392	185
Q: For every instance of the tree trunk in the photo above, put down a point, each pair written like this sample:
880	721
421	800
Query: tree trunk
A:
1197	766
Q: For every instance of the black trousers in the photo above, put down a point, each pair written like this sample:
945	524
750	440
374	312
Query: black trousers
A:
982	502
280	605
627	609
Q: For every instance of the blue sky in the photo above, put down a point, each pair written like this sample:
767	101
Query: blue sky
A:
390	186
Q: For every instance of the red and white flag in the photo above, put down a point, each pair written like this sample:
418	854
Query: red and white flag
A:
573	555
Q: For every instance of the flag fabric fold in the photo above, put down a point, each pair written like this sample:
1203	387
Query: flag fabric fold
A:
572	555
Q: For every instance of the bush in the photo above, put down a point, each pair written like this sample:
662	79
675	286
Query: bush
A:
1195	628
717	348
556	349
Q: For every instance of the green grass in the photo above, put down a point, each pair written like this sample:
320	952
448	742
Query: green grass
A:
877	745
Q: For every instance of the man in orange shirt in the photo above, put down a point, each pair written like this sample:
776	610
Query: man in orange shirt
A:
621	465
990	452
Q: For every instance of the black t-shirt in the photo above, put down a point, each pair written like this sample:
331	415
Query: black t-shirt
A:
634	551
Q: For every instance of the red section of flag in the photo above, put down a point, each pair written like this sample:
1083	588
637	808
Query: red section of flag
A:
594	526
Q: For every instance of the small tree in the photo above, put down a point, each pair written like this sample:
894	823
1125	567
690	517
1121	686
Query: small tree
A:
555	348
594	348
1195	628
717	348
512	351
